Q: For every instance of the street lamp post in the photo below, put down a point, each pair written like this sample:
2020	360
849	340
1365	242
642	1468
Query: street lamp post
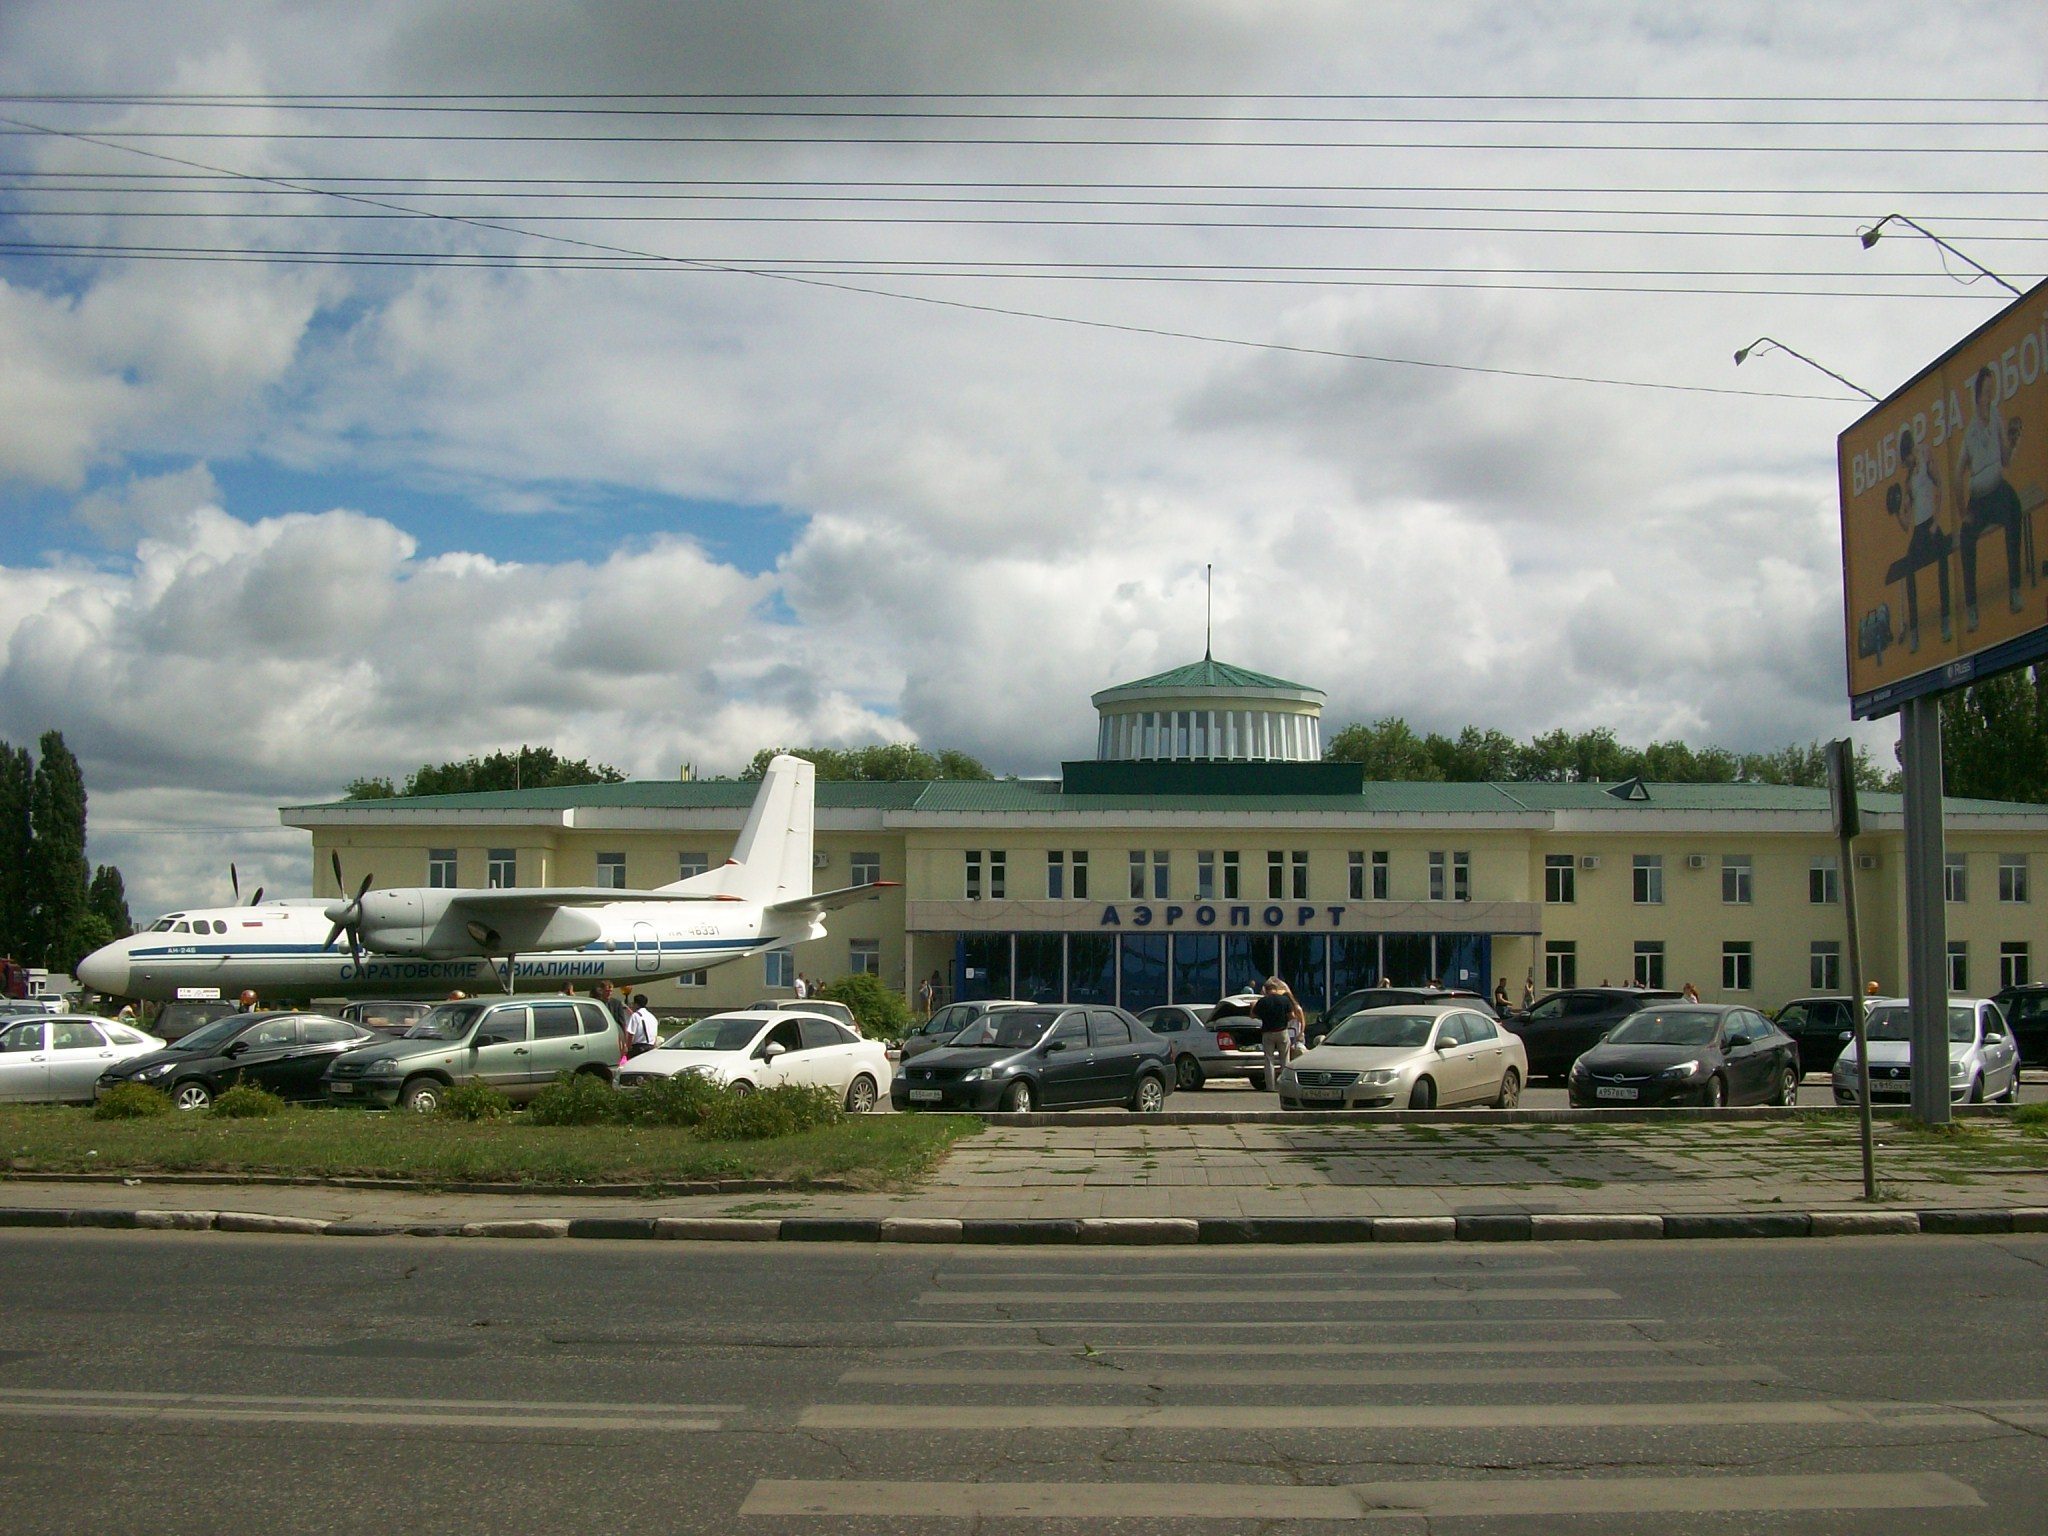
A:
1771	343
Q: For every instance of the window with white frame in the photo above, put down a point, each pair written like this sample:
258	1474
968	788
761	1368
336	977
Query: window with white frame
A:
1077	862
504	868
1649	962
864	957
611	871
1137	883
998	874
1824	965
972	856
1560	963
1297	867
1824	881
1461	877
1649	879
691	865
1436	877
1205	875
1959	966
1162	882
778	968
694	979
1056	875
2012	877
1560	878
2013	967
1738	883
1737	966
441	868
1355	864
864	868
1955	878
1233	884
1381	868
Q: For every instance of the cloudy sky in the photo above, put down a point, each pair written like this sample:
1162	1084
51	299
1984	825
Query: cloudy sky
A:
658	381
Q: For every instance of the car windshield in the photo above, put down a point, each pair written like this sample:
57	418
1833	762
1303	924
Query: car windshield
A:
714	1035
1673	1026
1895	1022
1409	1029
1005	1031
449	1021
212	1036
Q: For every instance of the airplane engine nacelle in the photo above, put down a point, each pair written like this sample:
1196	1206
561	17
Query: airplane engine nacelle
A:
396	922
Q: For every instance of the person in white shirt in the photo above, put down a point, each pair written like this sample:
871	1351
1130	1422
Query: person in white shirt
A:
1983	494
1926	543
803	987
643	1030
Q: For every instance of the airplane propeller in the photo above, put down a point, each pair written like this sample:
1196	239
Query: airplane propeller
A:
347	916
235	880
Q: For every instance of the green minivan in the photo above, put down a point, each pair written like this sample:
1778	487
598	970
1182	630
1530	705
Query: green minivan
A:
518	1046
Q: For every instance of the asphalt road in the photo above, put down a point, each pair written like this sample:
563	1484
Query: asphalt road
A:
168	1383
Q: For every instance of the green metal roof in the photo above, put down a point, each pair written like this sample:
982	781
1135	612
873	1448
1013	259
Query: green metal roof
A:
1210	673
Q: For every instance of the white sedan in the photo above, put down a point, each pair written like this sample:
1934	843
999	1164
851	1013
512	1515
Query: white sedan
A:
1418	1055
745	1051
61	1056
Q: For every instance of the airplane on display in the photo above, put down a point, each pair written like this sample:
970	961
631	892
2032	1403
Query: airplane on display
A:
431	940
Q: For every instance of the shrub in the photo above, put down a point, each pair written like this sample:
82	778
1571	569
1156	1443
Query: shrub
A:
577	1098
246	1101
883	1015
779	1111
474	1101
2031	1117
683	1098
132	1101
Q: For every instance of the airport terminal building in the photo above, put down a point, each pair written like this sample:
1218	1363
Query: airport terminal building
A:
1207	845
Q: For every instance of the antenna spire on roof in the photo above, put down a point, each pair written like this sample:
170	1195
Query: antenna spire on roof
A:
1209	614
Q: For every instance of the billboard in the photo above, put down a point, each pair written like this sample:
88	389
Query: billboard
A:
1941	486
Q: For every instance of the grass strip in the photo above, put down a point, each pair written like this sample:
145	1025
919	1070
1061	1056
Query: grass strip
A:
871	1152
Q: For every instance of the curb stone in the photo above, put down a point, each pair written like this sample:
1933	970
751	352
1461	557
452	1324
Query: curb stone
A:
1490	1227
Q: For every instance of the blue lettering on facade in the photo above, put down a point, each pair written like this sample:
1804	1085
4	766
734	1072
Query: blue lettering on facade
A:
1141	917
1205	917
1110	919
1303	916
1273	917
1174	915
1240	917
1336	916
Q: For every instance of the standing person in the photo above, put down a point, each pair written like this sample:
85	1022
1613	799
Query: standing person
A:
928	994
246	1003
642	1028
615	1005
1692	993
1275	1010
1985	495
803	987
1297	1026
1926	544
1529	992
1500	997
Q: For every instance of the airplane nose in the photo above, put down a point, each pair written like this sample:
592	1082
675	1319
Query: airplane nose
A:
105	970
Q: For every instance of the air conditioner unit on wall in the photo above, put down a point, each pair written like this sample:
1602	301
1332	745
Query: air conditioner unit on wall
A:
1590	861
820	859
1866	861
1695	861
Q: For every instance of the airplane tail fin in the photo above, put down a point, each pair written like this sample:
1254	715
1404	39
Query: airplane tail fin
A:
772	860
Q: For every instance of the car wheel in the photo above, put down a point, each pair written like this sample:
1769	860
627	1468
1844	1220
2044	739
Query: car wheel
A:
860	1095
1149	1097
1717	1093
192	1094
1017	1098
1976	1093
1258	1082
2012	1089
1188	1073
1423	1095
422	1096
1510	1091
1788	1090
739	1089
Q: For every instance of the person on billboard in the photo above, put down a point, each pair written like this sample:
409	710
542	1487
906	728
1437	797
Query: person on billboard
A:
1987	497
1918	511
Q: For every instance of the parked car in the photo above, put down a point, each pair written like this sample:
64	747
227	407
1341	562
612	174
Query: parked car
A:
1688	1053
176	1020
283	1052
1205	1046
1566	1024
1820	1027
1387	997
45	1058
2026	1014
823	1007
749	1050
1051	1057
1421	1055
387	1016
949	1021
1982	1061
514	1045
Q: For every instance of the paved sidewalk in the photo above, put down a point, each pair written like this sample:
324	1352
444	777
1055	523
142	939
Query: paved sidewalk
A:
1094	1168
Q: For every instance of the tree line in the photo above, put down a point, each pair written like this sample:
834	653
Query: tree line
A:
55	908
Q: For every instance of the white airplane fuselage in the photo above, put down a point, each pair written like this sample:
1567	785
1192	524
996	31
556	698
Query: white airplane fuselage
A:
279	949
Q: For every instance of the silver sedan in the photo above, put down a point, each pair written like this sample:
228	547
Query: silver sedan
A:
1417	1055
60	1057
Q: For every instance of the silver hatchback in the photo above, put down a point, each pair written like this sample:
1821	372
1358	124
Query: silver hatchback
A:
1983	1062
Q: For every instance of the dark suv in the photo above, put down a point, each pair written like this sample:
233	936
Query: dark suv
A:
1393	997
1820	1026
1565	1025
2026	1010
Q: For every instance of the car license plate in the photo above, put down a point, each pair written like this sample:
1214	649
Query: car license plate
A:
1606	1091
341	1087
926	1095
1322	1093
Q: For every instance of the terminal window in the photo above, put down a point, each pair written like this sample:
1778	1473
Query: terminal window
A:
1649	879
1958	965
778	968
690	865
504	868
611	871
1738	887
1955	878
864	957
865	868
1560	878
2013	970
1205	875
1055	875
1233	889
1823	882
1738	973
1560	963
1649	956
1824	966
2012	877
441	868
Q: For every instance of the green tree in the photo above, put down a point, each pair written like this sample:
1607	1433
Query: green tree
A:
882	1014
107	898
1389	749
882	762
527	768
17	777
1994	739
59	876
369	789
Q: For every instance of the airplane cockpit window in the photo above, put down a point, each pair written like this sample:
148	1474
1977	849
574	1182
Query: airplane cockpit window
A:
161	925
182	928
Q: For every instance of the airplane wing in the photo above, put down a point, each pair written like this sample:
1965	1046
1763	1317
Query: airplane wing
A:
826	901
527	898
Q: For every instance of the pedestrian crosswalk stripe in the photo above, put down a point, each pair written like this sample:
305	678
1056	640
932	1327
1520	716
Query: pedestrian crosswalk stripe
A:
1157	1298
1096	1370
1187	1325
1387	1416
440	1413
1573	1347
1445	1499
1175	1275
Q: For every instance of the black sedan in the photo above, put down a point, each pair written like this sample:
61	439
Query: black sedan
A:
1565	1025
1819	1026
283	1052
1688	1053
1051	1057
